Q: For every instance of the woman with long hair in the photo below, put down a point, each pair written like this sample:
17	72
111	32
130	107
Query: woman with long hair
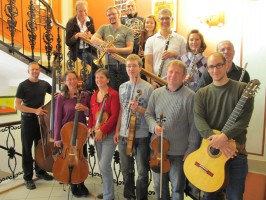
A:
149	29
65	108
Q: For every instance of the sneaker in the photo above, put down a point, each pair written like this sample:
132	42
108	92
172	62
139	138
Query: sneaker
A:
45	176
83	190
75	190
100	196
30	185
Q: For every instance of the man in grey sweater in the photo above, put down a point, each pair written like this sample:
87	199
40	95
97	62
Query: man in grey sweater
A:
175	102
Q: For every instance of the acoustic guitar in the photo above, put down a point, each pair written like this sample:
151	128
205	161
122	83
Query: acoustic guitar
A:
205	167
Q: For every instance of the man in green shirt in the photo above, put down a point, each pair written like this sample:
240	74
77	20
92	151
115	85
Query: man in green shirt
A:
212	107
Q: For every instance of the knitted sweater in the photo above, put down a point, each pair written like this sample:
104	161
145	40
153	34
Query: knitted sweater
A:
177	108
214	104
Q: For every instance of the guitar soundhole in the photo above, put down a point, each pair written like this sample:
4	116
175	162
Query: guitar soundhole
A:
214	152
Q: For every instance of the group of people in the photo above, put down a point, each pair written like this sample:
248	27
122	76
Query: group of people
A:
200	94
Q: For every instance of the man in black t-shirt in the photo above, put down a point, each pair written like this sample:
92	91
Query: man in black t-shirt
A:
29	100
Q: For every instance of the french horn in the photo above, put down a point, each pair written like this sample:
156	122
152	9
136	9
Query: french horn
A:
136	25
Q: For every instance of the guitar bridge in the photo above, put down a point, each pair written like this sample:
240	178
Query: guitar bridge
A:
204	169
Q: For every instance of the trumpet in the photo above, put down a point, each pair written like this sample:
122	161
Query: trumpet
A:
102	49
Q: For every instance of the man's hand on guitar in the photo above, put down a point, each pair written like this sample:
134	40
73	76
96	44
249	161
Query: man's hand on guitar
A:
228	150
217	141
221	142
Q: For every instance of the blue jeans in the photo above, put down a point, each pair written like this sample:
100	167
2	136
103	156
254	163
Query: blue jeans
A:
141	151
238	169
177	178
105	151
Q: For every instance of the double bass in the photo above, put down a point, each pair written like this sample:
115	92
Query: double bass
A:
159	162
71	166
45	152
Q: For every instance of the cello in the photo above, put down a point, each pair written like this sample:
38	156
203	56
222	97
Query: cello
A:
159	162
45	152
71	166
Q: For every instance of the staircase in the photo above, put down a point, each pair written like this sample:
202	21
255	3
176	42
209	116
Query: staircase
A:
29	31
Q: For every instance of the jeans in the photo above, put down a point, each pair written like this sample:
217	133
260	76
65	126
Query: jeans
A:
238	169
118	75
30	133
105	151
88	56
141	151
177	178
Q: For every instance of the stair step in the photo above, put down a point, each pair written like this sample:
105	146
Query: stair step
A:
16	46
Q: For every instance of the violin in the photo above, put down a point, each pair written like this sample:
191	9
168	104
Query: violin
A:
132	128
101	116
45	151
159	162
71	166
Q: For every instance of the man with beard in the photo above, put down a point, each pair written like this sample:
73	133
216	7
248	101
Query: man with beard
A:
133	21
123	45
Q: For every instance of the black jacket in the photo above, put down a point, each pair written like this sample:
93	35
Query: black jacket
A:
71	29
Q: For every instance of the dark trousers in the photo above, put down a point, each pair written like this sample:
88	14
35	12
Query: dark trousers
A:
118	75
30	133
88	56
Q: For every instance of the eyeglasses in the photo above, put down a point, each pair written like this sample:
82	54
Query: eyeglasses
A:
218	66
71	79
132	66
165	18
111	14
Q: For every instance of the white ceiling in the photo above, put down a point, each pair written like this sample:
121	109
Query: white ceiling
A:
13	71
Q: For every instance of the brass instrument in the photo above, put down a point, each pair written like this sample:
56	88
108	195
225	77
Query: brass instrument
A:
123	60
101	50
135	24
243	72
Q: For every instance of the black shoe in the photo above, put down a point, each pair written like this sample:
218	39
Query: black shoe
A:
83	190
75	190
45	176
30	185
100	196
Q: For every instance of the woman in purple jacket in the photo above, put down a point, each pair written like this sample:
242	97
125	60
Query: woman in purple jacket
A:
65	108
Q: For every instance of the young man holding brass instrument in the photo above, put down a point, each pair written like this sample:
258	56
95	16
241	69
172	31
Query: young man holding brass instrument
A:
164	46
120	42
213	106
175	102
80	27
132	133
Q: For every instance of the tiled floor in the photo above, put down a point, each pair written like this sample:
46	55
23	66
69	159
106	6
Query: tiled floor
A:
52	190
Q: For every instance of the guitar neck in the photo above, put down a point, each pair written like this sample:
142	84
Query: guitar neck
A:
235	114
